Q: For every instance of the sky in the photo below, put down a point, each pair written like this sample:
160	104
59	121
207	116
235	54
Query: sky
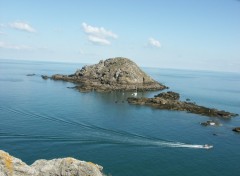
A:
179	34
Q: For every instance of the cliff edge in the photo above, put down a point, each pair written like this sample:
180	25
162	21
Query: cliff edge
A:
11	166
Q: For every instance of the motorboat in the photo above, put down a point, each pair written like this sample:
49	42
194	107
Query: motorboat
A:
206	146
134	94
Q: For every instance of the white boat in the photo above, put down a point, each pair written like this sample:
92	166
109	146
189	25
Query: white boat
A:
206	146
134	94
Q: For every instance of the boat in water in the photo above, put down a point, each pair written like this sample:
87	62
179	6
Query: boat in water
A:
206	146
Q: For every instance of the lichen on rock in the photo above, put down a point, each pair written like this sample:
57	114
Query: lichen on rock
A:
11	166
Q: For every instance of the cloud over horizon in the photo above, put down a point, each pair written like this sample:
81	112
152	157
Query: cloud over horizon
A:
22	26
154	43
98	35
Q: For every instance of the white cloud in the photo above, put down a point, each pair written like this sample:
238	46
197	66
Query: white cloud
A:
154	43
1	33
4	45
22	26
98	35
98	40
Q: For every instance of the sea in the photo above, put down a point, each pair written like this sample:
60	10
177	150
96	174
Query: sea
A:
46	119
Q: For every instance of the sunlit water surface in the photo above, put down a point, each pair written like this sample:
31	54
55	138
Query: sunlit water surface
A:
44	119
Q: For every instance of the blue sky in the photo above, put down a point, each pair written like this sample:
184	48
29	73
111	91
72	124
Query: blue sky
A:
184	34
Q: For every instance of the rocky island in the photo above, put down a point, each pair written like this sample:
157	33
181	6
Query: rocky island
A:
111	74
11	166
170	101
123	74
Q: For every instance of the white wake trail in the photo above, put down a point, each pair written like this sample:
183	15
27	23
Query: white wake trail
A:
160	143
183	145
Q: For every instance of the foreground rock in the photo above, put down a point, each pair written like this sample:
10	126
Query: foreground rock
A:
170	101
111	74
237	129
11	166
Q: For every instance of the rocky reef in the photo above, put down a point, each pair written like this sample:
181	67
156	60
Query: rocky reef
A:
11	166
111	74
170	101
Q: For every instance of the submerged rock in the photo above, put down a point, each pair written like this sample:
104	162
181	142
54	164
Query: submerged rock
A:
11	166
112	74
170	101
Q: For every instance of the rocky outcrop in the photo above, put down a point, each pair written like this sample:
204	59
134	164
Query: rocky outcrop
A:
237	129
168	95
112	74
44	76
11	166
170	101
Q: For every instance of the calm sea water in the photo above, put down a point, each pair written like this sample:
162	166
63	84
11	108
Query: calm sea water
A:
43	119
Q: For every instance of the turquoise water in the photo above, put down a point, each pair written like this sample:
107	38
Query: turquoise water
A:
45	119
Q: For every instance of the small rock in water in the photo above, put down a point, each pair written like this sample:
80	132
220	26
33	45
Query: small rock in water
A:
237	129
210	123
31	74
44	76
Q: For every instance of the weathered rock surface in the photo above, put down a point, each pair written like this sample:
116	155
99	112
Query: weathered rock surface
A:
112	74
11	166
170	101
237	129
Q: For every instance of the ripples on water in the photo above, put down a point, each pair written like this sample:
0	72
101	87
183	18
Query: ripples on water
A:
93	134
43	119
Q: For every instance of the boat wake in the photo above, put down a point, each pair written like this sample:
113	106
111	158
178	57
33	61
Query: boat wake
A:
91	134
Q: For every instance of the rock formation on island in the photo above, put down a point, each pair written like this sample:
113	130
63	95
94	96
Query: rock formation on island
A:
111	74
170	101
11	166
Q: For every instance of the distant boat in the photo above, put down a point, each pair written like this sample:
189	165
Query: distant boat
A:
206	146
134	94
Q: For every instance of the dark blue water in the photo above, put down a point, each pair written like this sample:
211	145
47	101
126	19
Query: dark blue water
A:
45	119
